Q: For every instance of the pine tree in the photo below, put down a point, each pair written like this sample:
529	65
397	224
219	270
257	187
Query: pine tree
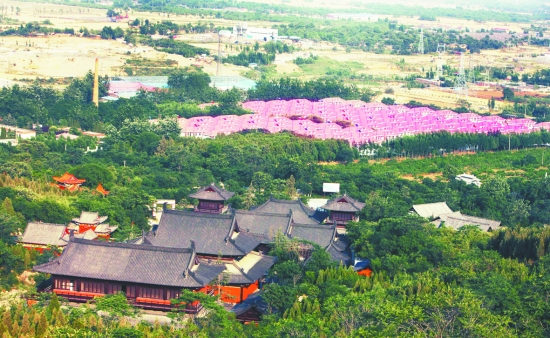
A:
42	326
54	304
6	320
290	186
26	324
27	259
540	248
60	320
15	329
7	206
3	134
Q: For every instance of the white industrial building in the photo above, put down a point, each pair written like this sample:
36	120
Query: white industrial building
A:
20	132
255	33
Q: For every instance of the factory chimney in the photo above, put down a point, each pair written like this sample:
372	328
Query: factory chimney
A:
95	97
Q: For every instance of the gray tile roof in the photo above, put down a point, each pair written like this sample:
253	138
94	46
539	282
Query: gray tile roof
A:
456	220
432	210
264	224
213	234
45	234
260	268
344	203
88	234
338	255
241	273
131	263
301	213
212	193
254	300
321	235
90	218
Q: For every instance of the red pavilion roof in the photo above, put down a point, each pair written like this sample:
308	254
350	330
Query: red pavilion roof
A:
67	178
101	190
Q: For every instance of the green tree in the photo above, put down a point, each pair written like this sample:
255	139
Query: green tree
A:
508	94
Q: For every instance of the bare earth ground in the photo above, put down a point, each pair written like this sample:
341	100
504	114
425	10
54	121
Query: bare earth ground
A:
64	56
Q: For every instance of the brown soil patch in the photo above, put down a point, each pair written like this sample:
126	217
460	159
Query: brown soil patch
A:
433	176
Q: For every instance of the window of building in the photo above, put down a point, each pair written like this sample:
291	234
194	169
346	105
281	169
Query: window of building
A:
342	217
94	287
153	293
63	284
208	205
171	294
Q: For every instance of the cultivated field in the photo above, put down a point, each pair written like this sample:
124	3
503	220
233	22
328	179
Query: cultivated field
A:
67	56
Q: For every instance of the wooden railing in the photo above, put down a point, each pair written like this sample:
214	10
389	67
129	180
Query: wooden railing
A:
144	303
209	211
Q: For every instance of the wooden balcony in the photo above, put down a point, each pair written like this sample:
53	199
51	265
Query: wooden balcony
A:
341	222
209	211
141	302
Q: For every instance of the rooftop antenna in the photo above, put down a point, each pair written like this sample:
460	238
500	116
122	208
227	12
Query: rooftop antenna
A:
439	70
421	42
461	87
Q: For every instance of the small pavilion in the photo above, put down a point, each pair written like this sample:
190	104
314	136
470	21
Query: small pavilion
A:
343	209
212	199
68	182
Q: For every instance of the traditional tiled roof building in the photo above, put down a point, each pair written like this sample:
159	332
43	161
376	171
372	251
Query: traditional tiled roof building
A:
218	239
212	199
68	182
301	213
43	236
148	275
214	235
343	209
431	210
457	220
92	221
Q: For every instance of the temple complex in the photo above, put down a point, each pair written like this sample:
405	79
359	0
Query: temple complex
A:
218	239
156	266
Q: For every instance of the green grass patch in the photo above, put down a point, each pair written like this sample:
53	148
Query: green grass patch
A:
510	164
325	66
148	67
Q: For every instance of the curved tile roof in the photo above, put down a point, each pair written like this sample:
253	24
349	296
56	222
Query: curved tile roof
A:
212	193
344	203
121	262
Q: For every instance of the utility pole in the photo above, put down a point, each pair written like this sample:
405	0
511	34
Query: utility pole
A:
461	87
439	70
219	55
421	42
